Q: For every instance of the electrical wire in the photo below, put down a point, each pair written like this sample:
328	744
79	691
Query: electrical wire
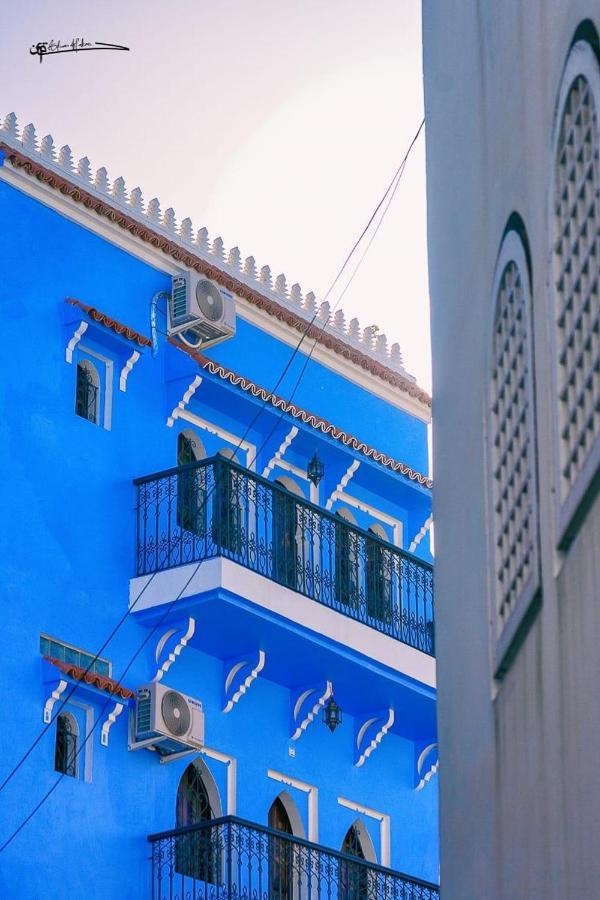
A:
388	195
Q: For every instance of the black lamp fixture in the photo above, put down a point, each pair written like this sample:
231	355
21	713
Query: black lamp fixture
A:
332	715
315	470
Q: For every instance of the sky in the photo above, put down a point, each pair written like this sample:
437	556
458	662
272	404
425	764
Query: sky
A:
277	125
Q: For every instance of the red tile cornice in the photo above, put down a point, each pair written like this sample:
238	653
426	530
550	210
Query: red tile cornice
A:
115	326
102	682
314	421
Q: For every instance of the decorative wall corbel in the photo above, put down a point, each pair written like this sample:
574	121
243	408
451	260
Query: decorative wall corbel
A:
239	675
369	733
305	705
170	646
109	722
427	765
54	696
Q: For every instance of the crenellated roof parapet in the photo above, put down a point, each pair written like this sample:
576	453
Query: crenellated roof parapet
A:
370	343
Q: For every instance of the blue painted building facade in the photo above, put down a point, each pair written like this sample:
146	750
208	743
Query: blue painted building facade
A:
159	514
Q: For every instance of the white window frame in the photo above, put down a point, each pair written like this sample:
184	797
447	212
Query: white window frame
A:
106	389
511	250
581	61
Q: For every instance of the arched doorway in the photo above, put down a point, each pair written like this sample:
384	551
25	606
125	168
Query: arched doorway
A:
346	559
354	877
288	565
191	484
197	852
229	504
379	577
281	851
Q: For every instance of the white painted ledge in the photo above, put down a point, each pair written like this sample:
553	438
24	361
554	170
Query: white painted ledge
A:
261	591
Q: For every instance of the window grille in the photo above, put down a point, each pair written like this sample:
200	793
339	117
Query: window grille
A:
514	528
354	879
65	748
197	855
69	654
576	261
86	392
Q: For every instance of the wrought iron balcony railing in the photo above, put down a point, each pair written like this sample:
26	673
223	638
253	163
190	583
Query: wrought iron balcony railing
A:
217	508
230	858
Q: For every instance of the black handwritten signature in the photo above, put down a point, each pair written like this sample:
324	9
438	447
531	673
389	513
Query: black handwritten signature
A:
45	48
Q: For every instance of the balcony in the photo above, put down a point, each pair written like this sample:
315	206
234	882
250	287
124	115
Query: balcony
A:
229	857
216	508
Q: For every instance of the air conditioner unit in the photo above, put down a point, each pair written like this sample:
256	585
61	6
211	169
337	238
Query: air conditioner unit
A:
200	312
166	721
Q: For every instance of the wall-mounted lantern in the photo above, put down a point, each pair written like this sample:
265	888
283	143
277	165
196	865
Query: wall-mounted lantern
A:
332	715
315	470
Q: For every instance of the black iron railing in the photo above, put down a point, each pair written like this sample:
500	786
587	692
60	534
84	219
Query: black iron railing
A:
230	858
217	508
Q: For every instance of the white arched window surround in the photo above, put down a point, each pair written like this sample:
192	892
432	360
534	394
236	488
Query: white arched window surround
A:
575	289
511	448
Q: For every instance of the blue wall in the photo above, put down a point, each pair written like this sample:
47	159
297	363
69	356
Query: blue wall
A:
67	556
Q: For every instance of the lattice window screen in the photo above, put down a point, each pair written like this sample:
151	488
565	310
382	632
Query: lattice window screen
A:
511	444
576	263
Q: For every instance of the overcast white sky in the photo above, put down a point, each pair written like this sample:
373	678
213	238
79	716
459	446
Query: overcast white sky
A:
277	125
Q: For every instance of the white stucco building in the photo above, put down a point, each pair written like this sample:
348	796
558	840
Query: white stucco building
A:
512	94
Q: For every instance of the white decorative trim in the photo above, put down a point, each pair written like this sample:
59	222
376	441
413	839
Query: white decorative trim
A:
54	696
384	826
280	452
319	621
421	534
184	400
309	716
231	763
349	500
219	432
174	653
433	770
109	722
297	472
77	335
343	482
127	369
365	744
243	686
313	800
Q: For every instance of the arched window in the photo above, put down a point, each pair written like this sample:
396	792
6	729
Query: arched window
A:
87	391
379	577
191	485
353	880
287	563
511	441
66	746
196	852
576	266
281	851
347	571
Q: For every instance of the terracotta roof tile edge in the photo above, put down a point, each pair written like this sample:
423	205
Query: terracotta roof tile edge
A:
123	330
102	682
304	415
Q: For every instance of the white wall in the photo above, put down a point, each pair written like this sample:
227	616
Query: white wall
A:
520	791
